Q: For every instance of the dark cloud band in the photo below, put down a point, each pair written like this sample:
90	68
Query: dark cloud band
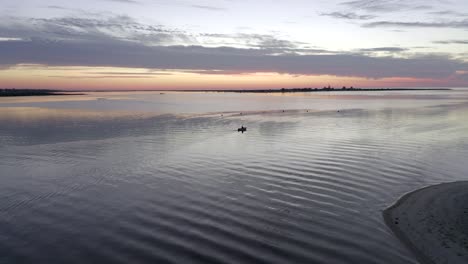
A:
124	54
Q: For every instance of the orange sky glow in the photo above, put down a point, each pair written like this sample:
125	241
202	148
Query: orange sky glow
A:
111	78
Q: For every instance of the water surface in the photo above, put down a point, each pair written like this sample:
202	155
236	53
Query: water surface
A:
165	178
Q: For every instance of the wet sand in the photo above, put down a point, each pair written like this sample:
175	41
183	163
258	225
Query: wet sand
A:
433	222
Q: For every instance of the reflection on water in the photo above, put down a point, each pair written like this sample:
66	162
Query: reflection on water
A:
135	186
203	102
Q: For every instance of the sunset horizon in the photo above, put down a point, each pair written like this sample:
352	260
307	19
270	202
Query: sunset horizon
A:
166	45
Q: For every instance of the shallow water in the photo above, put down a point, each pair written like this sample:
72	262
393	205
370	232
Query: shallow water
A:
165	178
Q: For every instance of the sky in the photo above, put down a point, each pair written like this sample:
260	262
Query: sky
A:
232	44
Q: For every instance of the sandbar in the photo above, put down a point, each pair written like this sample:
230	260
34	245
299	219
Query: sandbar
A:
433	222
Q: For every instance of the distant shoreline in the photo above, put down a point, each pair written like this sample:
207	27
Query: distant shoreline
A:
330	89
34	92
49	92
427	221
284	90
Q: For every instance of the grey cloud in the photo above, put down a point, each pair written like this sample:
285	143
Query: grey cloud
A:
216	72
349	16
124	1
122	54
130	73
423	7
57	7
266	41
266	44
375	5
384	49
463	77
126	28
460	76
453	41
92	29
450	24
448	13
210	8
383	6
122	42
99	77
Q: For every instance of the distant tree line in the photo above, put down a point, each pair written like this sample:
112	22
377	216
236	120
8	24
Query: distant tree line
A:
27	92
331	89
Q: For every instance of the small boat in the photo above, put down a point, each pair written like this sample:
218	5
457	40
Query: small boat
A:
242	129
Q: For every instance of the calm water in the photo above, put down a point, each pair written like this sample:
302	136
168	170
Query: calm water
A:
164	178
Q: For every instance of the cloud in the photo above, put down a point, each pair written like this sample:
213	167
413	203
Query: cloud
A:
216	72
10	39
124	1
373	6
448	13
263	43
453	41
210	8
92	29
99	77
128	29
349	16
132	55
123	42
385	6
56	7
131	73
384	49
416	24
266	41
